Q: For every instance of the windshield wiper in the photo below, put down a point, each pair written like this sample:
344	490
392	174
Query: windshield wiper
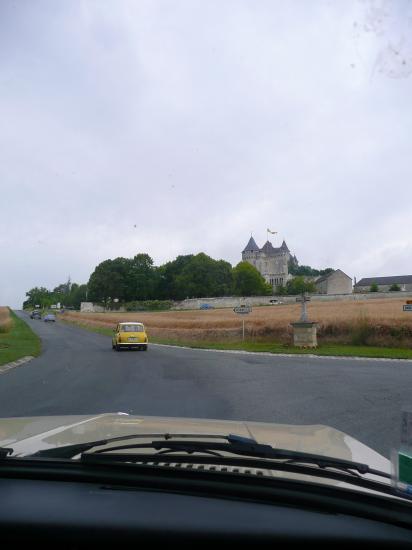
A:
208	455
5	451
187	443
69	451
237	445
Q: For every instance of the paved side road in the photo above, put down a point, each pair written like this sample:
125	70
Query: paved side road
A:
79	373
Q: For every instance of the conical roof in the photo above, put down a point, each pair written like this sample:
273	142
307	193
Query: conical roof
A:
251	246
267	248
284	246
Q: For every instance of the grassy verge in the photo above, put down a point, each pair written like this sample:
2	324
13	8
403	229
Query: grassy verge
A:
18	342
339	350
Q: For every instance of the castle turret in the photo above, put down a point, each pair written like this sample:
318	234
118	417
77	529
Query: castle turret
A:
250	251
284	247
251	246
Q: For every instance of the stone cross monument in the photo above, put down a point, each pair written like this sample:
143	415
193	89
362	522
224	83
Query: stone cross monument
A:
303	299
304	331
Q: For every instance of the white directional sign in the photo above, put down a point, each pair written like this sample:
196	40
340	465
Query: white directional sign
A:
407	307
242	309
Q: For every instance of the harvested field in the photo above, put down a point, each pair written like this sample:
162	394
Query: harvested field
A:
5	319
377	322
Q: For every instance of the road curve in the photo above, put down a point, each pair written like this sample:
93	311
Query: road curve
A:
79	373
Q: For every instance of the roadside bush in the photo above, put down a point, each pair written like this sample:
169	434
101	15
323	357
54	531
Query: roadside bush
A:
361	331
5	327
394	288
5	320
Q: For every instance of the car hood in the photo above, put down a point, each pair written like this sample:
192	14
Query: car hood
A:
28	435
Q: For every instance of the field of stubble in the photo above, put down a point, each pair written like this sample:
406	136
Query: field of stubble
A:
370	322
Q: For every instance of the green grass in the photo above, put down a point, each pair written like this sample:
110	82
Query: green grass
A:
18	342
339	350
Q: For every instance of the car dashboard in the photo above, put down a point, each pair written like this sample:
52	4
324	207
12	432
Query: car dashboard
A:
66	512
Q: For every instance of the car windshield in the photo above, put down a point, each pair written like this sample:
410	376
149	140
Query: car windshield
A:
206	223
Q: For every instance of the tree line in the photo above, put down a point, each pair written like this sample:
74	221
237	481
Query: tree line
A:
188	276
137	279
67	294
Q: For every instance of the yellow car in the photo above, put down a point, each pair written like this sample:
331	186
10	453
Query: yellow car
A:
129	335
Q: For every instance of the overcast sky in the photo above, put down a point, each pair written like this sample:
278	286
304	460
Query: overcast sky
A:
173	127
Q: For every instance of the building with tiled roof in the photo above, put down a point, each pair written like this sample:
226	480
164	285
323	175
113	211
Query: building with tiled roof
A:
404	282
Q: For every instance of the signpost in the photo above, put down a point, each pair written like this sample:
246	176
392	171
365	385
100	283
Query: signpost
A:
242	310
407	307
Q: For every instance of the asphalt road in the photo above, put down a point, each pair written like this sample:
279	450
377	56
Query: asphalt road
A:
79	373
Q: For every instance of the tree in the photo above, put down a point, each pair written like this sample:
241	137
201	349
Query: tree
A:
247	281
109	280
70	296
77	295
194	276
298	285
395	288
374	288
64	288
281	290
39	296
202	276
167	275
305	270
326	271
141	278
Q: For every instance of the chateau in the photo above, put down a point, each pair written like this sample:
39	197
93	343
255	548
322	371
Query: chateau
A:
272	263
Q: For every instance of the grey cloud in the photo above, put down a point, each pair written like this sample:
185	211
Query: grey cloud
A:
199	122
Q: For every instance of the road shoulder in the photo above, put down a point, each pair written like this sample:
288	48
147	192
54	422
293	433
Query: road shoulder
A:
8	366
19	342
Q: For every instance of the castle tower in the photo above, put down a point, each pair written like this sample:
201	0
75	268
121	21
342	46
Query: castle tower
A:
250	250
272	263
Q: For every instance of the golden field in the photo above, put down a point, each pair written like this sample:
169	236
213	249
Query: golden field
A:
374	322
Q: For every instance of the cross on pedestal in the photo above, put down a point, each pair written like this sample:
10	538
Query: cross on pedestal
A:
303	299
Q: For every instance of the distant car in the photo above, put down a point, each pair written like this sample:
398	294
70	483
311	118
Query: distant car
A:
50	317
274	301
35	315
131	335
206	306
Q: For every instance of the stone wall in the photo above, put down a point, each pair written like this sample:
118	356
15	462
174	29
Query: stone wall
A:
254	301
233	301
90	307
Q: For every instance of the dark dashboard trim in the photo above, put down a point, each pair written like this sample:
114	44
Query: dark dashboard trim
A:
222	485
